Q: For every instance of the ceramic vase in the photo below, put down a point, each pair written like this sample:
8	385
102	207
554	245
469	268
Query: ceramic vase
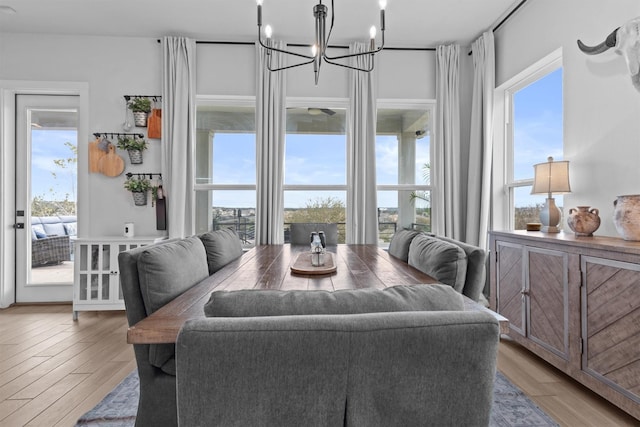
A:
583	221
626	216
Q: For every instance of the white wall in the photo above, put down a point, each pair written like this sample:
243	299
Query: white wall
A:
230	70
112	67
601	107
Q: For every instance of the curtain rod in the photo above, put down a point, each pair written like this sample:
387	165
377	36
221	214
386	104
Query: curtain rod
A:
515	9
305	45
505	19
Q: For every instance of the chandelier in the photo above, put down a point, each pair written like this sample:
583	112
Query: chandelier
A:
321	42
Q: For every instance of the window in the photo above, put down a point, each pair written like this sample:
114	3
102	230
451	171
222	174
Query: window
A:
225	163
533	114
403	169
315	178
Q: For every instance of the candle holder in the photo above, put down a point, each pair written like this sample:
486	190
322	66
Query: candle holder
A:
317	249
317	256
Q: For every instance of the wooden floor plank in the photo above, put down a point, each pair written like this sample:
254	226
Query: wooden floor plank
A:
27	412
97	391
564	399
42	370
93	354
21	369
70	401
26	325
31	347
8	407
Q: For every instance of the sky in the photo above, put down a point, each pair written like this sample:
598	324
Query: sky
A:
537	127
47	146
309	160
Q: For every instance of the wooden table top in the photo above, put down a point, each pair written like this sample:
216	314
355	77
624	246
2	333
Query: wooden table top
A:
268	267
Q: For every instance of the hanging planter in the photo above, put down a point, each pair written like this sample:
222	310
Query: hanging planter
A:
140	119
141	106
134	146
139	199
139	188
135	156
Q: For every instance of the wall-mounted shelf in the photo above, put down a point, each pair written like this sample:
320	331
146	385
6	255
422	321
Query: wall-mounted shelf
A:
143	174
116	134
155	98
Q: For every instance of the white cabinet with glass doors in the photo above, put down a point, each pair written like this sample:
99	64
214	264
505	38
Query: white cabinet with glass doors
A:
96	283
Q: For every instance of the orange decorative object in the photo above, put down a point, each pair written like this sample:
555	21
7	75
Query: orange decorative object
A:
154	125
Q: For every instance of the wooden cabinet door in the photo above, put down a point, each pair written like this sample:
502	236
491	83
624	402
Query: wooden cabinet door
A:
510	285
547	291
611	323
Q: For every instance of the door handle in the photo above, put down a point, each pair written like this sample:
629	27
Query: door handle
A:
19	225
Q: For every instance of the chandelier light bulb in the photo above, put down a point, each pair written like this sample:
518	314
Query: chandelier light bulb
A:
314	50
383	4
372	32
268	31
259	2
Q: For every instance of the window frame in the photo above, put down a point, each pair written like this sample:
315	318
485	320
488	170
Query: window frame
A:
504	184
415	104
210	188
293	102
223	101
300	102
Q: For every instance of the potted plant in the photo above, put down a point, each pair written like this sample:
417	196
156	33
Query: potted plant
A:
134	146
139	187
140	106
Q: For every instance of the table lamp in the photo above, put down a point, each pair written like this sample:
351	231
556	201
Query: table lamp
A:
551	177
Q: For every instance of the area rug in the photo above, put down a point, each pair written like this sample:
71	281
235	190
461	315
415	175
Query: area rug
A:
511	408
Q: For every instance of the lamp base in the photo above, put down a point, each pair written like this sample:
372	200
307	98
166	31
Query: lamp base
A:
550	229
550	217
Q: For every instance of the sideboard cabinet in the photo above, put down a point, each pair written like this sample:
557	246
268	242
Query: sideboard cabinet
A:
574	302
96	284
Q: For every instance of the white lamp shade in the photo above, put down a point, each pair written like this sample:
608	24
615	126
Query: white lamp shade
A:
551	177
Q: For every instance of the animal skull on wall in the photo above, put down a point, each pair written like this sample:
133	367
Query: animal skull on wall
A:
626	40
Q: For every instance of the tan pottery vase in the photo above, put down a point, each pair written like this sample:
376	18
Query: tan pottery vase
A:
583	221
626	216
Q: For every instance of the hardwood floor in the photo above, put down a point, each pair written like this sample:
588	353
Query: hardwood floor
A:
561	397
53	370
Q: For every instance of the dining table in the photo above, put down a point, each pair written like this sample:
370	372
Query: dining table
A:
355	266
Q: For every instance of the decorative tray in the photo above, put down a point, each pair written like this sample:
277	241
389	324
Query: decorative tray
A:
302	264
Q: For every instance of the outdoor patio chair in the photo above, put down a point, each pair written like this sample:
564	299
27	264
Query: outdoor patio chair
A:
50	250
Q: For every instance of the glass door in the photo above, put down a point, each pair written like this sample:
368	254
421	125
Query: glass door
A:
46	183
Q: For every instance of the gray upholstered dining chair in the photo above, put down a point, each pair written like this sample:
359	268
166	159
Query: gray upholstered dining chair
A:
300	232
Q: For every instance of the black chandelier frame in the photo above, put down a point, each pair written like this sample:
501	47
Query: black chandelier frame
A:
322	43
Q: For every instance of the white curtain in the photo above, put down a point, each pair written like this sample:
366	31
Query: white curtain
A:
448	215
178	132
481	141
362	205
270	134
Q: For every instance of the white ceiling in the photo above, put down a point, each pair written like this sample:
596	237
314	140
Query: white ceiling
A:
409	23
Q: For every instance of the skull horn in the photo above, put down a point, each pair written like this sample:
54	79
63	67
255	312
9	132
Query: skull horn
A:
609	42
